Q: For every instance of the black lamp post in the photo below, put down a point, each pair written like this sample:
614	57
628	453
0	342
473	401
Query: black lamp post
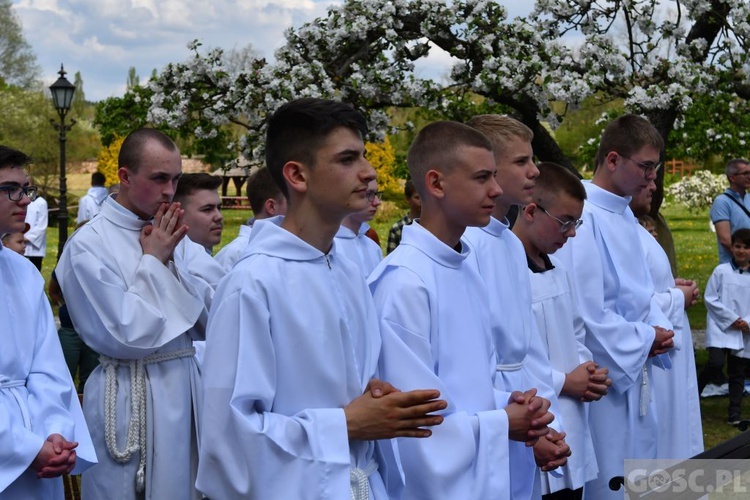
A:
62	96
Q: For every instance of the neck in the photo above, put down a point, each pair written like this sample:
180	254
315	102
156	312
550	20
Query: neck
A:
738	189
532	251
123	199
309	226
448	233
351	224
501	209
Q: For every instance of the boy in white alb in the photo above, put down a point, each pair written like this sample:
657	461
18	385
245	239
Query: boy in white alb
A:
626	331
266	200
351	238
291	408
727	299
679	415
499	255
435	321
138	293
42	431
543	227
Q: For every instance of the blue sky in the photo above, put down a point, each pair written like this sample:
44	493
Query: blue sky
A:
103	38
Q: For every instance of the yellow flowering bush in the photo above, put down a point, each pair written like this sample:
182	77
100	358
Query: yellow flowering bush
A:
107	160
382	156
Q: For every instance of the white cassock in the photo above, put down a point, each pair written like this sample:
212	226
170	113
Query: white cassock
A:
90	204
232	251
37	396
434	318
679	413
37	218
614	292
563	333
359	248
293	339
142	316
522	363
727	298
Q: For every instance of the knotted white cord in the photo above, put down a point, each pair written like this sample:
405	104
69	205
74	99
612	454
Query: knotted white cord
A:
136	437
359	484
645	393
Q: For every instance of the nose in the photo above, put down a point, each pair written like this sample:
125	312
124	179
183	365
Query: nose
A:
219	217
24	201
368	173
495	189
533	171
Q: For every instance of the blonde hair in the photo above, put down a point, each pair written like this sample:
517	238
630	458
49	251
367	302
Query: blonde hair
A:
500	130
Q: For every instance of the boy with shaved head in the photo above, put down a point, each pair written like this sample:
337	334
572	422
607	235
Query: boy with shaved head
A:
435	321
499	255
138	293
544	226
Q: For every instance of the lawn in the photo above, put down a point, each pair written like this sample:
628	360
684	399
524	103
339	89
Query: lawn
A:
696	258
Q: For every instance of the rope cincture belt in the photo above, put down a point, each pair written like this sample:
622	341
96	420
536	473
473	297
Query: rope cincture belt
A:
510	367
136	439
359	484
8	383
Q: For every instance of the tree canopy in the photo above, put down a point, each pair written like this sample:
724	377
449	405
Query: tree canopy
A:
656	57
18	64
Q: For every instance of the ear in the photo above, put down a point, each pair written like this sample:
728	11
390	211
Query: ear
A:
529	211
270	206
295	174
433	181
610	161
124	175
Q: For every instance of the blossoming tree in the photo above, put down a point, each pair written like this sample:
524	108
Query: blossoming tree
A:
656	55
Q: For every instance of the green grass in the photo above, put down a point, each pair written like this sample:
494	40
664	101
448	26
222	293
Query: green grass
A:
696	258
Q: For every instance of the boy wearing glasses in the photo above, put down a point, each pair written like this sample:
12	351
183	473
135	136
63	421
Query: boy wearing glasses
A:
625	330
544	226
522	362
42	431
352	240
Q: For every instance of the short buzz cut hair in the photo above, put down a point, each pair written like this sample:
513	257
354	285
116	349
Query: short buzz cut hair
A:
626	135
297	129
436	146
409	189
98	179
131	151
734	166
13	158
190	183
260	188
555	179
500	130
741	236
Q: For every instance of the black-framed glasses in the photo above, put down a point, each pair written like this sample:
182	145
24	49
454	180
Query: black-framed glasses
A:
15	193
371	195
565	225
648	168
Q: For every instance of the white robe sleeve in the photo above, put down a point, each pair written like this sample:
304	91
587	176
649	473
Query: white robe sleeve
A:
620	345
467	456
248	451
132	310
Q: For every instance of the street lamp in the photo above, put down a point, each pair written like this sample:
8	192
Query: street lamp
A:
62	96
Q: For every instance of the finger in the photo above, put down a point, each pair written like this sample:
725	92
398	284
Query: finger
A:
542	421
169	221
159	216
413	433
415	423
516	397
415	397
422	410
